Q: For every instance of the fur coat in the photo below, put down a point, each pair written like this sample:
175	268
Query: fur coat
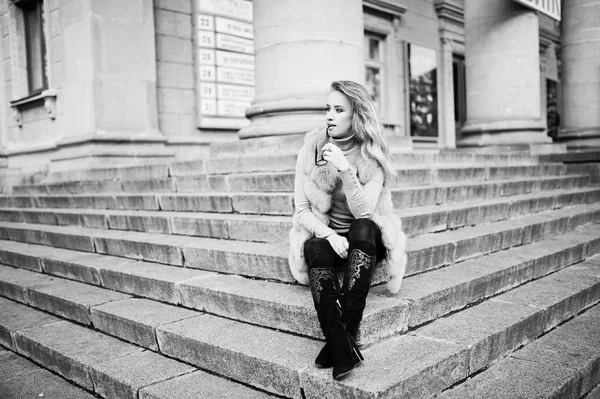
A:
318	182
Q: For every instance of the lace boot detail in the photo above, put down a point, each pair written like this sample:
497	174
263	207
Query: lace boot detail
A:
357	281
319	277
359	263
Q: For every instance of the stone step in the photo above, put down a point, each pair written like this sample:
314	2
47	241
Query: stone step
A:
417	365
105	365
269	261
240	163
562	364
284	181
266	228
423	298
274	203
20	378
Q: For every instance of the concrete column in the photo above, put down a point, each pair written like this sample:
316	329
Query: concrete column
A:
301	46
503	75
580	55
448	128
110	68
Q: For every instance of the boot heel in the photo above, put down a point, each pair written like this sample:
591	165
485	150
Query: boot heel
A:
357	353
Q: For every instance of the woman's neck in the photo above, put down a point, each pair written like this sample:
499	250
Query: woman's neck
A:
344	144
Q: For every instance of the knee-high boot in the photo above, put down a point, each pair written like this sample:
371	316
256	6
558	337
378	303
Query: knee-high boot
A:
326	294
357	281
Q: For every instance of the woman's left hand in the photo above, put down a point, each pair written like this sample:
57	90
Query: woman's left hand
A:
334	155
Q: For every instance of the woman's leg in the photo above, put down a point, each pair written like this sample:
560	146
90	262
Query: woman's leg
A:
365	243
321	260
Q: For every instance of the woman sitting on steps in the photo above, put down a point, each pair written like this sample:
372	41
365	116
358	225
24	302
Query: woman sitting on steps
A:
344	220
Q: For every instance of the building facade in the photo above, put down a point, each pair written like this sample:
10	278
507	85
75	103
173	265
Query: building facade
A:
89	83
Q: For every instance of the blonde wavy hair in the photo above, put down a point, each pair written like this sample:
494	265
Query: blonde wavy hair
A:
366	126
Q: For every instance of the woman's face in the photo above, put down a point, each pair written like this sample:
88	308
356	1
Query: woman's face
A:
339	115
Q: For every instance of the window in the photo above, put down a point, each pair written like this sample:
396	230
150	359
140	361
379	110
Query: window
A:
422	73
460	90
374	64
33	24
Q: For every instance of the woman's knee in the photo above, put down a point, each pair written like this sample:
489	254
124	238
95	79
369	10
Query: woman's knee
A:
318	252
363	230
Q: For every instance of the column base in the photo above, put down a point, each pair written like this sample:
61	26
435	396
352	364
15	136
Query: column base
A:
580	138
284	114
503	133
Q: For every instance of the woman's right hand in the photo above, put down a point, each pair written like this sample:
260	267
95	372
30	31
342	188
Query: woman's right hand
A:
339	244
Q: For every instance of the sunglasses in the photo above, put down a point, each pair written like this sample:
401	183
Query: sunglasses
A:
319	160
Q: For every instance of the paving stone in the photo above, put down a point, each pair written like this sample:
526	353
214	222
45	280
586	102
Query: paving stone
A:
20	260
68	241
200	385
97	221
574	345
149	247
149	186
263	204
14	282
135	320
14	366
148	280
401	367
140	222
84	267
418	196
252	259
146	202
561	295
54	201
192	184
489	330
285	307
70	299
187	168
9	215
41	384
196	202
37	216
517	378
16	317
261	182
257	356
252	163
122	377
47	345
594	393
259	228
201	226
91	202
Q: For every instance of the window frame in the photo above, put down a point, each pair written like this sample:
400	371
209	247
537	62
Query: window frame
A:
27	6
379	64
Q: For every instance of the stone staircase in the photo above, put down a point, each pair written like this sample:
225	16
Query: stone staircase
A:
171	281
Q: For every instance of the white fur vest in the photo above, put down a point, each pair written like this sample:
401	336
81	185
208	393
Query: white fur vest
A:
318	182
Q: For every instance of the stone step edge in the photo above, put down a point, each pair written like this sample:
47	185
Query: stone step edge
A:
555	169
449	184
542	311
168	222
166	169
424	252
540	372
276	203
105	378
408	312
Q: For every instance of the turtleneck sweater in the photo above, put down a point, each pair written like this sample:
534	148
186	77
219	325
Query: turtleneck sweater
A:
350	199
